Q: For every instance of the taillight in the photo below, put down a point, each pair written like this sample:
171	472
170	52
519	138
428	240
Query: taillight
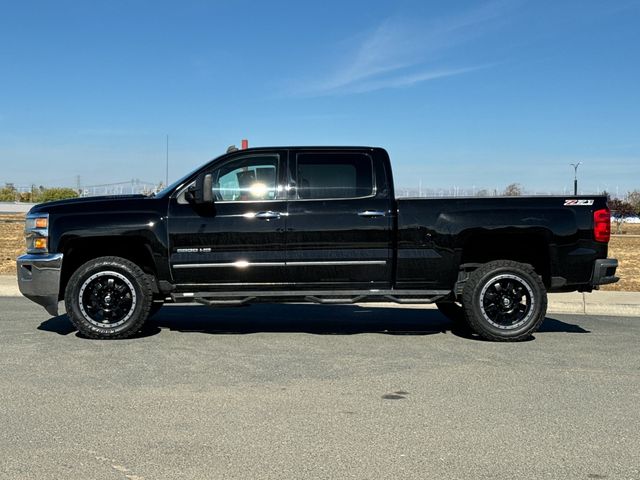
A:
602	225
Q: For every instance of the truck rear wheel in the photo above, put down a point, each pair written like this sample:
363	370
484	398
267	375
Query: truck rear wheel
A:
504	301
108	298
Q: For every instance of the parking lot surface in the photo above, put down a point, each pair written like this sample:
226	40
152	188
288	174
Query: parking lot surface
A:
307	391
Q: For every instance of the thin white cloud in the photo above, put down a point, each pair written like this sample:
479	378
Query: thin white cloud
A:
409	79
398	52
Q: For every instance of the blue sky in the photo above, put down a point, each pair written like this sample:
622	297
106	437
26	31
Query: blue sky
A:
467	94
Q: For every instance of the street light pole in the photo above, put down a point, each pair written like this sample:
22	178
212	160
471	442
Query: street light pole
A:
575	177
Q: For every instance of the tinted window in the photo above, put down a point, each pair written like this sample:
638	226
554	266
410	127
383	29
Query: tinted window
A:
251	178
329	175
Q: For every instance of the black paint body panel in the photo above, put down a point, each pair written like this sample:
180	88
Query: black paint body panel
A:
418	243
434	233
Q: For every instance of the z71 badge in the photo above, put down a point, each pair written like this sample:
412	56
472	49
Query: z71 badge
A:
578	202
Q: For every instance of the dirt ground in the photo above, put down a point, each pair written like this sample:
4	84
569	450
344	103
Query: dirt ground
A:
626	248
11	242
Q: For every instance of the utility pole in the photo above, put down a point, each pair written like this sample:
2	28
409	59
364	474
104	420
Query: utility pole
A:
575	177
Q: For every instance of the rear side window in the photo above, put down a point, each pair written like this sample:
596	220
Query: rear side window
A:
334	175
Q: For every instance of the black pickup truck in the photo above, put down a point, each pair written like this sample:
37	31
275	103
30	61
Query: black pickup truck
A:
312	224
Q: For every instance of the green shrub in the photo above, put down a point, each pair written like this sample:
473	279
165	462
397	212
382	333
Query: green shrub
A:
51	194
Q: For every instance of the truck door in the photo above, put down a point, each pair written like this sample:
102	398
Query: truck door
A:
339	227
239	241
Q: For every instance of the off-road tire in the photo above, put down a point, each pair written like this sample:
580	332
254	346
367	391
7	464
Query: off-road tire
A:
121	279
487	307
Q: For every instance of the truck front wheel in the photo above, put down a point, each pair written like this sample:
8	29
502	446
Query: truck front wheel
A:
504	301
108	298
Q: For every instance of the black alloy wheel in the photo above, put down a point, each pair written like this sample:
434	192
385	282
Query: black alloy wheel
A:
107	299
507	301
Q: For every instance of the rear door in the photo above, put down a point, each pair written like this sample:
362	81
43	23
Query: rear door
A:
339	227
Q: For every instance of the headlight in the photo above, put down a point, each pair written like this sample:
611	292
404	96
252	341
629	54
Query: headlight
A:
36	232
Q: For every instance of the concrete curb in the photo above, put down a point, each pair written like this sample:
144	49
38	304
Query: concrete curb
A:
625	304
9	286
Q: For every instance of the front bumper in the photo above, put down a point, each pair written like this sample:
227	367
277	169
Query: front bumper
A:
604	271
39	279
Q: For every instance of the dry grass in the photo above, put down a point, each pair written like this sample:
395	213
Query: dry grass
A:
11	241
625	248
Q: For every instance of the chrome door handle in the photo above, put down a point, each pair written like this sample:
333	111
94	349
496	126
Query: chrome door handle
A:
371	213
268	215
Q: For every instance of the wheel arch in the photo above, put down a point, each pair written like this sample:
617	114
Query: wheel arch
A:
78	251
528	247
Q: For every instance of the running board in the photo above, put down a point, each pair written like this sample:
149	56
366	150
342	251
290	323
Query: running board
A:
328	297
224	303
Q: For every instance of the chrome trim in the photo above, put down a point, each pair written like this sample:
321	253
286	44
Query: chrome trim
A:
372	213
268	215
39	279
238	264
338	263
250	215
238	284
241	264
297	199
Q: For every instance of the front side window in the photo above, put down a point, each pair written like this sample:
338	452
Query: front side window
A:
334	175
247	179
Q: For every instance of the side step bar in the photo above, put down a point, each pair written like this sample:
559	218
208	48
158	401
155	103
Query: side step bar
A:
336	297
224	303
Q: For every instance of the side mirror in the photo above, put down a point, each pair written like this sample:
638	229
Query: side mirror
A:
201	193
207	191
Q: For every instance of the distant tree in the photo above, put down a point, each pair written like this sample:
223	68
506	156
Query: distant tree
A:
8	193
620	211
513	190
51	194
24	197
482	193
606	194
633	198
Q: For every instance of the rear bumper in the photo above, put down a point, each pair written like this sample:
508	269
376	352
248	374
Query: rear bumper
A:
604	271
39	279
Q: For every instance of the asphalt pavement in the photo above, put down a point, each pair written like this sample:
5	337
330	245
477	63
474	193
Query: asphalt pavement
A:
312	391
